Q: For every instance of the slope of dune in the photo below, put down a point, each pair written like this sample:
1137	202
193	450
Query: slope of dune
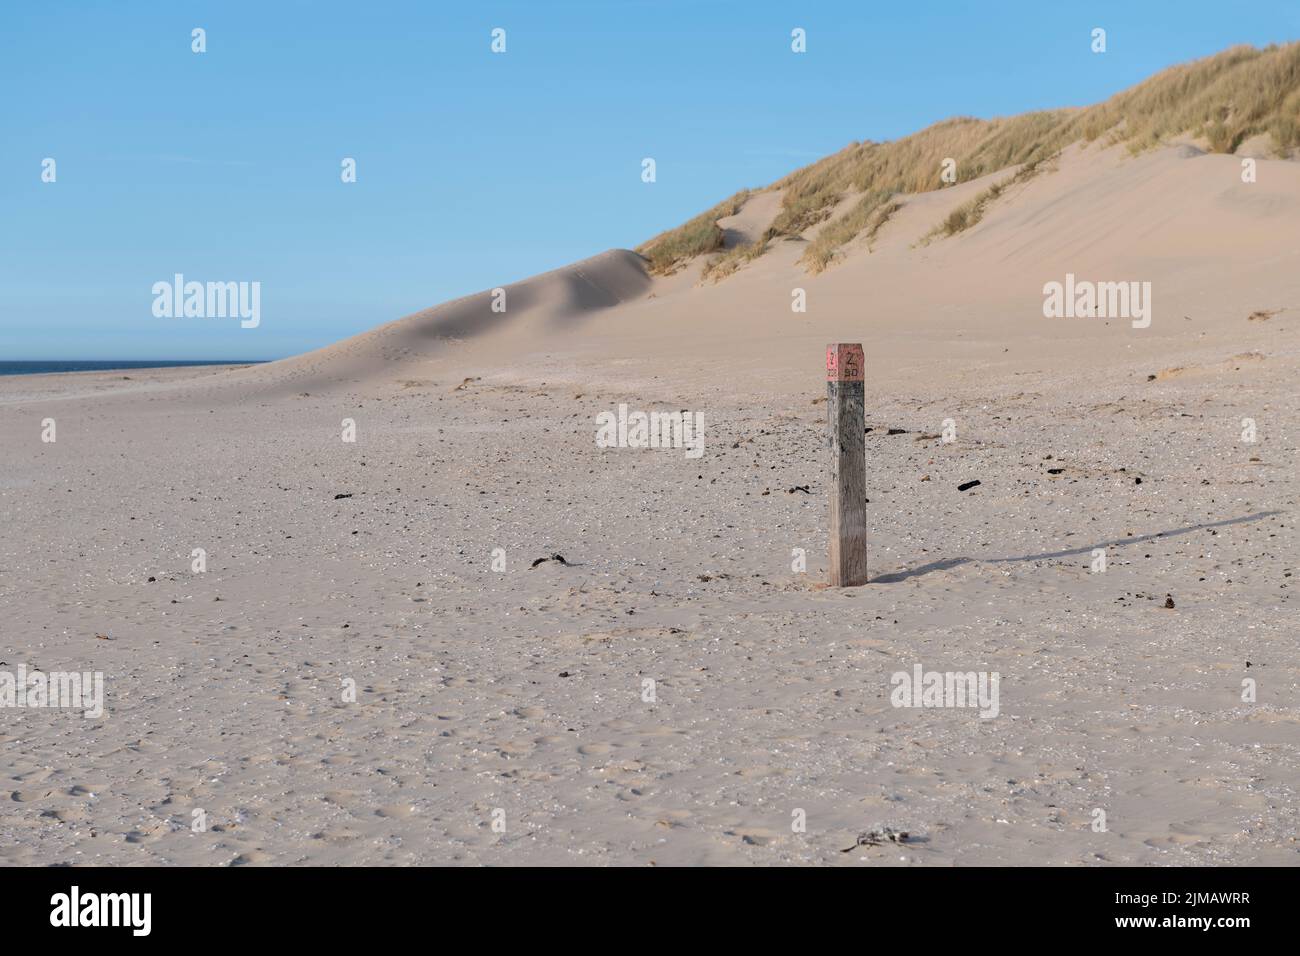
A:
546	304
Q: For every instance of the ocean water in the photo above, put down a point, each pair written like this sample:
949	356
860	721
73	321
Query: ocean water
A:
37	367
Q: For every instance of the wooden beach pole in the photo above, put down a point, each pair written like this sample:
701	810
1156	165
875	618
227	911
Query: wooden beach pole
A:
845	381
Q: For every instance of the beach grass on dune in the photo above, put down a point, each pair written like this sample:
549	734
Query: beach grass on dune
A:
970	213
865	219
670	250
1224	99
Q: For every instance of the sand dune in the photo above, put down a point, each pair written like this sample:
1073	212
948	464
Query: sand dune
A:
538	306
1213	248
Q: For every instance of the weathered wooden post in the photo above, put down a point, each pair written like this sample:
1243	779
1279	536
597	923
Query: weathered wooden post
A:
845	380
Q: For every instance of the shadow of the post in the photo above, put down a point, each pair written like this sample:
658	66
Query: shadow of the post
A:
947	563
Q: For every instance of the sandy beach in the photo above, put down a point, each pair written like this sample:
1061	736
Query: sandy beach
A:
374	668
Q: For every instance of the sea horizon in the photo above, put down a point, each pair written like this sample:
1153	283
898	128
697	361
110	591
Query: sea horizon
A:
48	366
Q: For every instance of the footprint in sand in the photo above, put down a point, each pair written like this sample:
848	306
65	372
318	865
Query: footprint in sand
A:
347	799
756	836
513	748
28	796
251	857
68	815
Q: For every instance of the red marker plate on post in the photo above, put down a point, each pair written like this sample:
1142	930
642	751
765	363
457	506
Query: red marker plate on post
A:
845	363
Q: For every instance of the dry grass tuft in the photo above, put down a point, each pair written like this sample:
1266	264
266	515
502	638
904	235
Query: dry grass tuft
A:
967	215
866	217
670	250
724	265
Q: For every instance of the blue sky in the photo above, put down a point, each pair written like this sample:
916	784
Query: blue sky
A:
474	169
